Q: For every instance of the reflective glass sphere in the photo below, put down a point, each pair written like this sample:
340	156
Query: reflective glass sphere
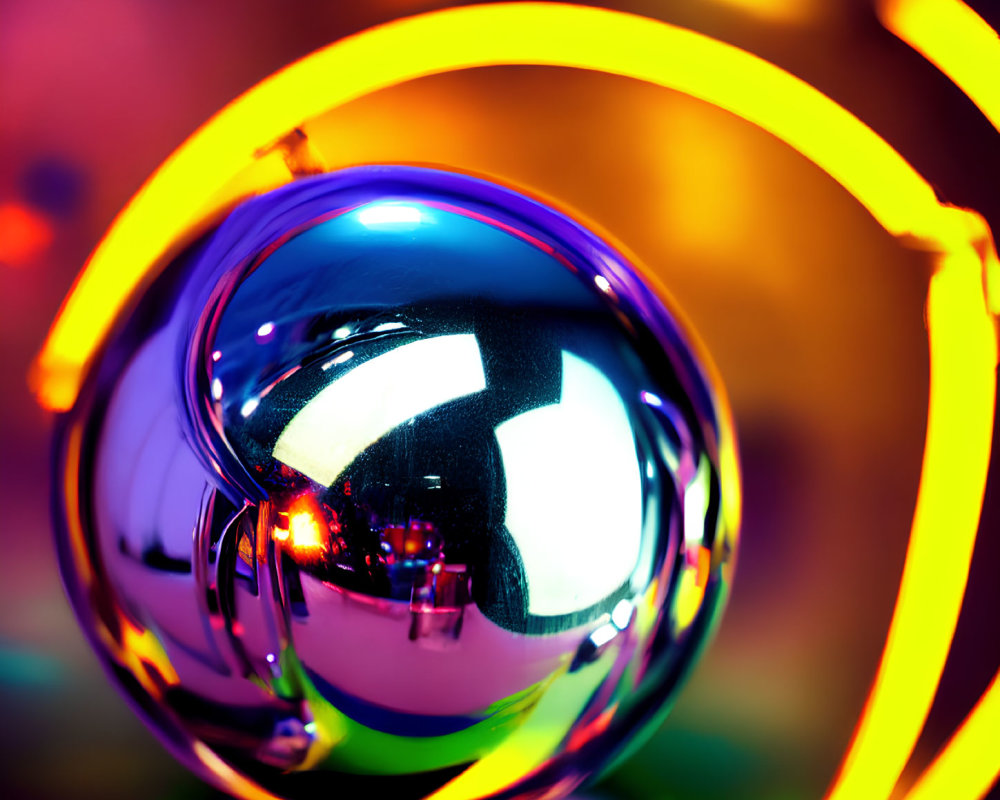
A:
398	481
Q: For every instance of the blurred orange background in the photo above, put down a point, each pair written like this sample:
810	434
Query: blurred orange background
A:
814	316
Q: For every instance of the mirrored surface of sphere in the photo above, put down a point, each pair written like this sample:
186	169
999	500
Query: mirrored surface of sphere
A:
398	481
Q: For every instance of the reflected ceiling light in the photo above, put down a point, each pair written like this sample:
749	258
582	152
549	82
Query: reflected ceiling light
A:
388	214
573	485
376	396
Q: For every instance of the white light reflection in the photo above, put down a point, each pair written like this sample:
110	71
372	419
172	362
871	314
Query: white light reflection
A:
347	355
574	492
216	389
651	399
383	214
265	330
602	283
388	326
622	614
696	506
342	333
359	408
603	635
249	406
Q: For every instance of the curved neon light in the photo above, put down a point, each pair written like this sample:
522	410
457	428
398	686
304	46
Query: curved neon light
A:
964	47
184	187
962	340
968	765
956	40
942	538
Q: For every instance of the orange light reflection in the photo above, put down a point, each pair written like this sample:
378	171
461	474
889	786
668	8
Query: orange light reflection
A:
782	11
305	532
308	533
24	235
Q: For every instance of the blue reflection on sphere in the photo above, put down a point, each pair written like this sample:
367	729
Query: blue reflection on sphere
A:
400	481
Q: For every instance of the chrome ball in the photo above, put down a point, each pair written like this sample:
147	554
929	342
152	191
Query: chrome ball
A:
398	481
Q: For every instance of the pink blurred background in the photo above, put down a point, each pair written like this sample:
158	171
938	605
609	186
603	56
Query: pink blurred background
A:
813	314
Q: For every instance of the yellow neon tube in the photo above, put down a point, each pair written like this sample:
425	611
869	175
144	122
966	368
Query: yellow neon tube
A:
963	348
522	33
963	358
969	764
956	40
963	46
